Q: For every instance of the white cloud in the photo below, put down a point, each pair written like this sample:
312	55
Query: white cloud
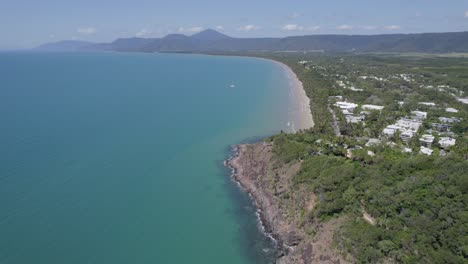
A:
313	28
294	15
368	27
345	27
292	27
392	27
51	36
190	29
219	28
466	14
86	30
249	28
143	32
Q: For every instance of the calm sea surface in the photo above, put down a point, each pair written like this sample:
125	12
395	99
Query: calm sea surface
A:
117	158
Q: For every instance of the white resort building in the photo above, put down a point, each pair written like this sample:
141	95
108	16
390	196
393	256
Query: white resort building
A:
449	119
372	107
346	106
451	110
446	142
427	139
407	128
463	100
419	115
347	109
426	151
427	103
373	142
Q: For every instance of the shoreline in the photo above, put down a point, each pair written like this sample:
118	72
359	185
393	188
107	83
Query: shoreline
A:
252	169
248	164
232	165
248	176
300	102
248	185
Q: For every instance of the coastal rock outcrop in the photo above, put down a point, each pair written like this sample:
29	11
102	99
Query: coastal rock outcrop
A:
283	207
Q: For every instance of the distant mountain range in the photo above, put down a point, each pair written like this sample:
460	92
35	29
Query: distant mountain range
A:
65	45
213	41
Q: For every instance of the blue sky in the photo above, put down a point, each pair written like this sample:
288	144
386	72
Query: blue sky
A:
27	23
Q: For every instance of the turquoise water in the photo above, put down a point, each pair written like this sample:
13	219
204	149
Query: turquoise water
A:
117	158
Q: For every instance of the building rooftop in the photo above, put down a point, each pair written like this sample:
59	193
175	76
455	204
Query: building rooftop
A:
346	105
354	118
447	142
407	127
463	100
419	114
427	138
410	124
426	151
451	110
373	141
352	88
449	119
372	107
407	150
427	103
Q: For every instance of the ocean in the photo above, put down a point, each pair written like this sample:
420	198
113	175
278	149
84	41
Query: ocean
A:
118	157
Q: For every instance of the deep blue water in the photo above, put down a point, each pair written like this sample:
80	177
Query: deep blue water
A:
117	158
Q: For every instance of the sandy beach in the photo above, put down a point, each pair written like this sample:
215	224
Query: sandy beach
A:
301	116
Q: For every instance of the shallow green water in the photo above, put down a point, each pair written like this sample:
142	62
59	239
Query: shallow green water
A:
117	158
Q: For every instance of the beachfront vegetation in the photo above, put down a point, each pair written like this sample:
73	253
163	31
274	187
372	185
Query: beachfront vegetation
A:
403	206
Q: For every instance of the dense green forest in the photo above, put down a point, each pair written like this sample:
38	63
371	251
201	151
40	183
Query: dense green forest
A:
418	203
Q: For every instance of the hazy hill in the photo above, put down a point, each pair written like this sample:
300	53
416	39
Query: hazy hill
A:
211	40
129	44
209	35
65	45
